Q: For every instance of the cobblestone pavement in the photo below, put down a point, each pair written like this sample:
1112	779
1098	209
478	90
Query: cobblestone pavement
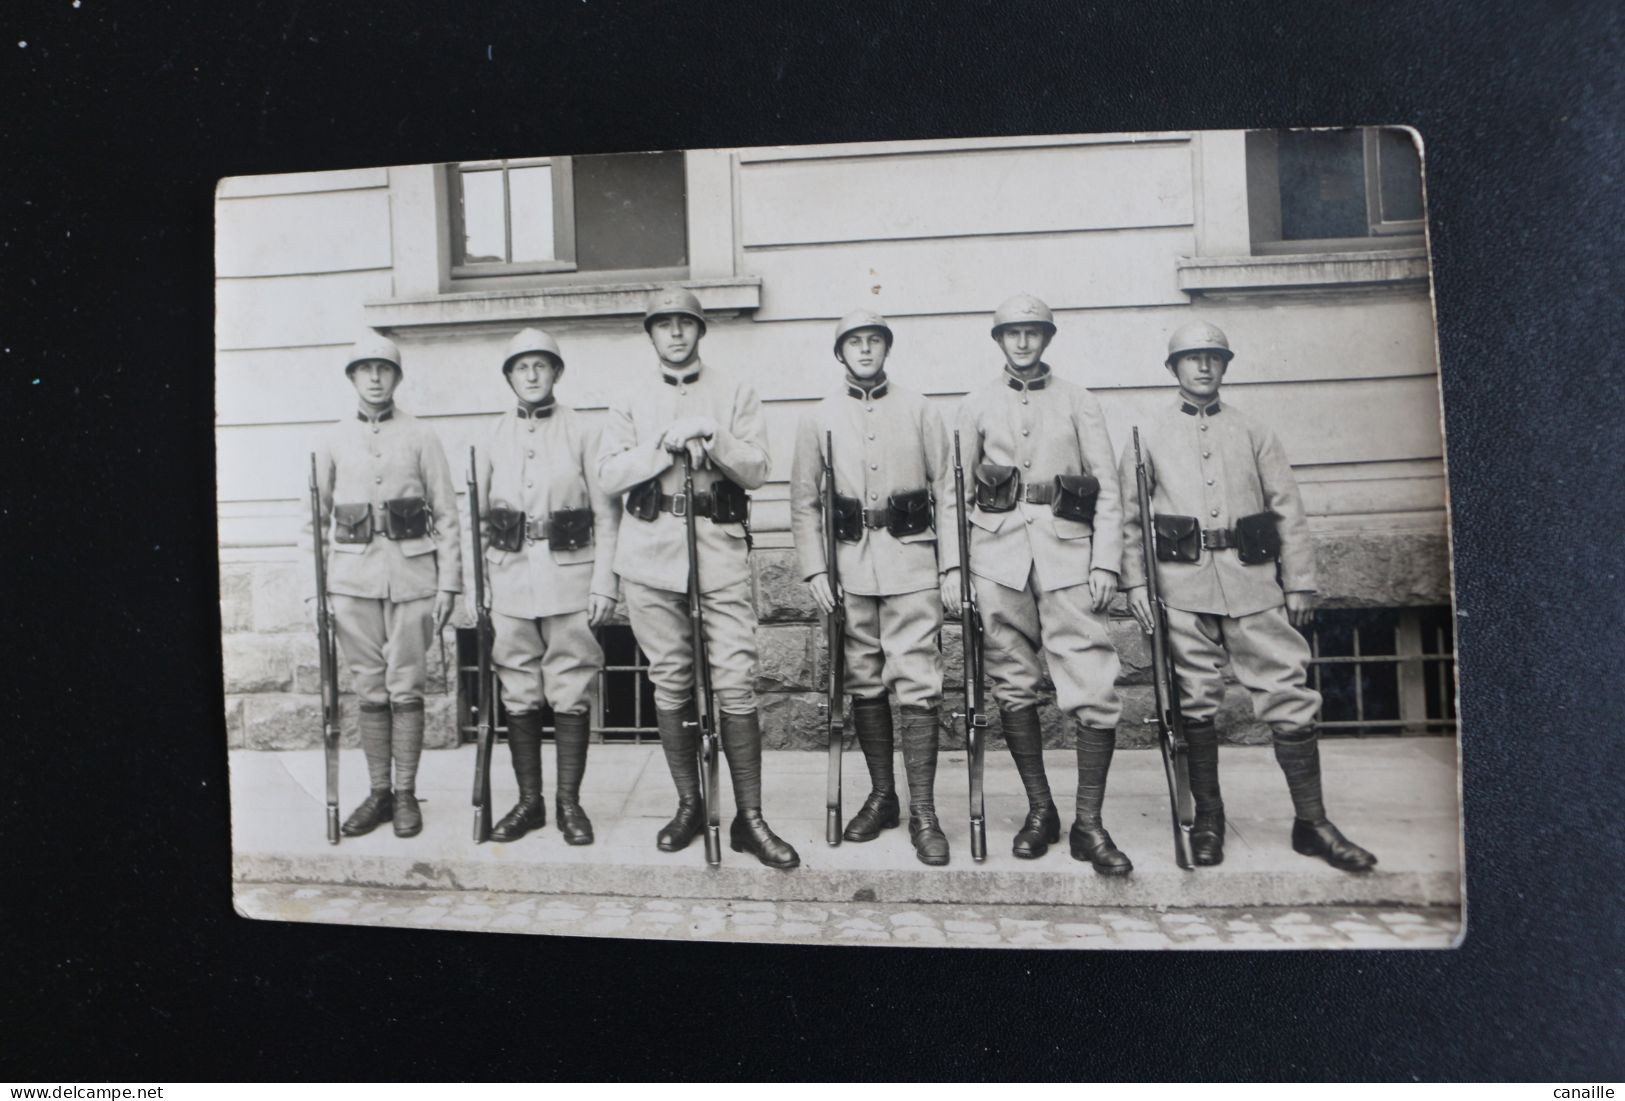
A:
872	923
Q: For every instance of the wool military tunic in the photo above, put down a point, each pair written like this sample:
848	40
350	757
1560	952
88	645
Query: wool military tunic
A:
373	459
1218	465
538	463
886	440
1044	427
655	552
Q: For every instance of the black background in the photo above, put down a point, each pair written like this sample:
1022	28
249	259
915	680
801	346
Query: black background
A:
123	956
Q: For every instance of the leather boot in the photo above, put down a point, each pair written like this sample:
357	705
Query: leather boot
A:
1089	839
1298	754
920	736
406	745
1207	831
742	744
525	745
871	719
380	805
570	734
1026	741
680	741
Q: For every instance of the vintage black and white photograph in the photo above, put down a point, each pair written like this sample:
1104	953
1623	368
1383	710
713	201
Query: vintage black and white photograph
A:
1013	542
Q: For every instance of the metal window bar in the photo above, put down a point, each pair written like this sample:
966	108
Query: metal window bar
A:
637	733
1417	714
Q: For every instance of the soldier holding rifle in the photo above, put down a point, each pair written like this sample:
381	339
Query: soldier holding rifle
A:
894	523
1046	549
549	542
394	571
714	418
1237	576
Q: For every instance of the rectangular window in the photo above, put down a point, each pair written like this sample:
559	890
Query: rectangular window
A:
618	216
623	710
1384	670
1333	190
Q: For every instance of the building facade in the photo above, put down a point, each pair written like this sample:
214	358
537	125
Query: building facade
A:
1306	247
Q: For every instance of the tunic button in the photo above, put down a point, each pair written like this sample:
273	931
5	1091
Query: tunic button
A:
532	485
1024	401
871	435
873	496
1026	462
1212	512
874	466
378	479
1203	427
531	454
1025	432
1205	454
530	427
375	430
1210	481
868	409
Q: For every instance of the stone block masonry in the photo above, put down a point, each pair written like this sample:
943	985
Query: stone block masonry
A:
271	682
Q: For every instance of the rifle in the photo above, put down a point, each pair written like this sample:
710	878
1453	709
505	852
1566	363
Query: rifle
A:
327	660
1164	680
705	720
834	640
485	696
970	637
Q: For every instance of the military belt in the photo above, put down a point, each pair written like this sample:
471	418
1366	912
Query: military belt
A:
1218	538
677	504
1039	494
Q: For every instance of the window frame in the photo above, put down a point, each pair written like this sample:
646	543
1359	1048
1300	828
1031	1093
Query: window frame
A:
564	221
1264	203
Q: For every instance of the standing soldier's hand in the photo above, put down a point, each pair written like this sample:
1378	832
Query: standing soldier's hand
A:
444	605
822	594
1102	587
1300	608
599	609
950	592
1140	604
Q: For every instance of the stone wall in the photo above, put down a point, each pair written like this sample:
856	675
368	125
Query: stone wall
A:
269	651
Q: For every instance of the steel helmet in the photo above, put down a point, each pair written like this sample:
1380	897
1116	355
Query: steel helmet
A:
533	340
371	345
673	300
1198	336
861	319
1023	309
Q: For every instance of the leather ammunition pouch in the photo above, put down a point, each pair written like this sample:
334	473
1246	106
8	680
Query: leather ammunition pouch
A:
851	518
997	487
1178	538
569	528
352	523
1074	497
724	503
911	513
1258	538
406	518
643	500
507	529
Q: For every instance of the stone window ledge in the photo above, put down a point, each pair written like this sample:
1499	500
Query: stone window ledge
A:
1204	275
726	297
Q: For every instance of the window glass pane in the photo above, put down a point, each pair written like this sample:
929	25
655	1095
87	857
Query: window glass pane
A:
1322	176
530	203
1400	169
483	236
631	211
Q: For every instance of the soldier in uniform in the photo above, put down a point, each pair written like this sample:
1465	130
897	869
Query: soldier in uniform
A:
716	417
394	573
1236	570
894	495
550	546
1046	549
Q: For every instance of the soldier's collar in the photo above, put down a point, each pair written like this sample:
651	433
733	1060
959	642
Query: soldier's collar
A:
1039	380
367	418
1190	410
672	378
540	411
867	388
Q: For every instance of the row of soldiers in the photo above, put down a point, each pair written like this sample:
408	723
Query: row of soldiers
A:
577	519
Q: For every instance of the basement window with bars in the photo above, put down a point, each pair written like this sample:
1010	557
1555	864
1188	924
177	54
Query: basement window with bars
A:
623	709
1384	670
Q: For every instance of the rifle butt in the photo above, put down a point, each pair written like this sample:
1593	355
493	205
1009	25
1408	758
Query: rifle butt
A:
978	839
482	823
832	825
713	844
332	825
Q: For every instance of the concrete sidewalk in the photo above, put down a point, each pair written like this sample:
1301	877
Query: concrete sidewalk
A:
1395	796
